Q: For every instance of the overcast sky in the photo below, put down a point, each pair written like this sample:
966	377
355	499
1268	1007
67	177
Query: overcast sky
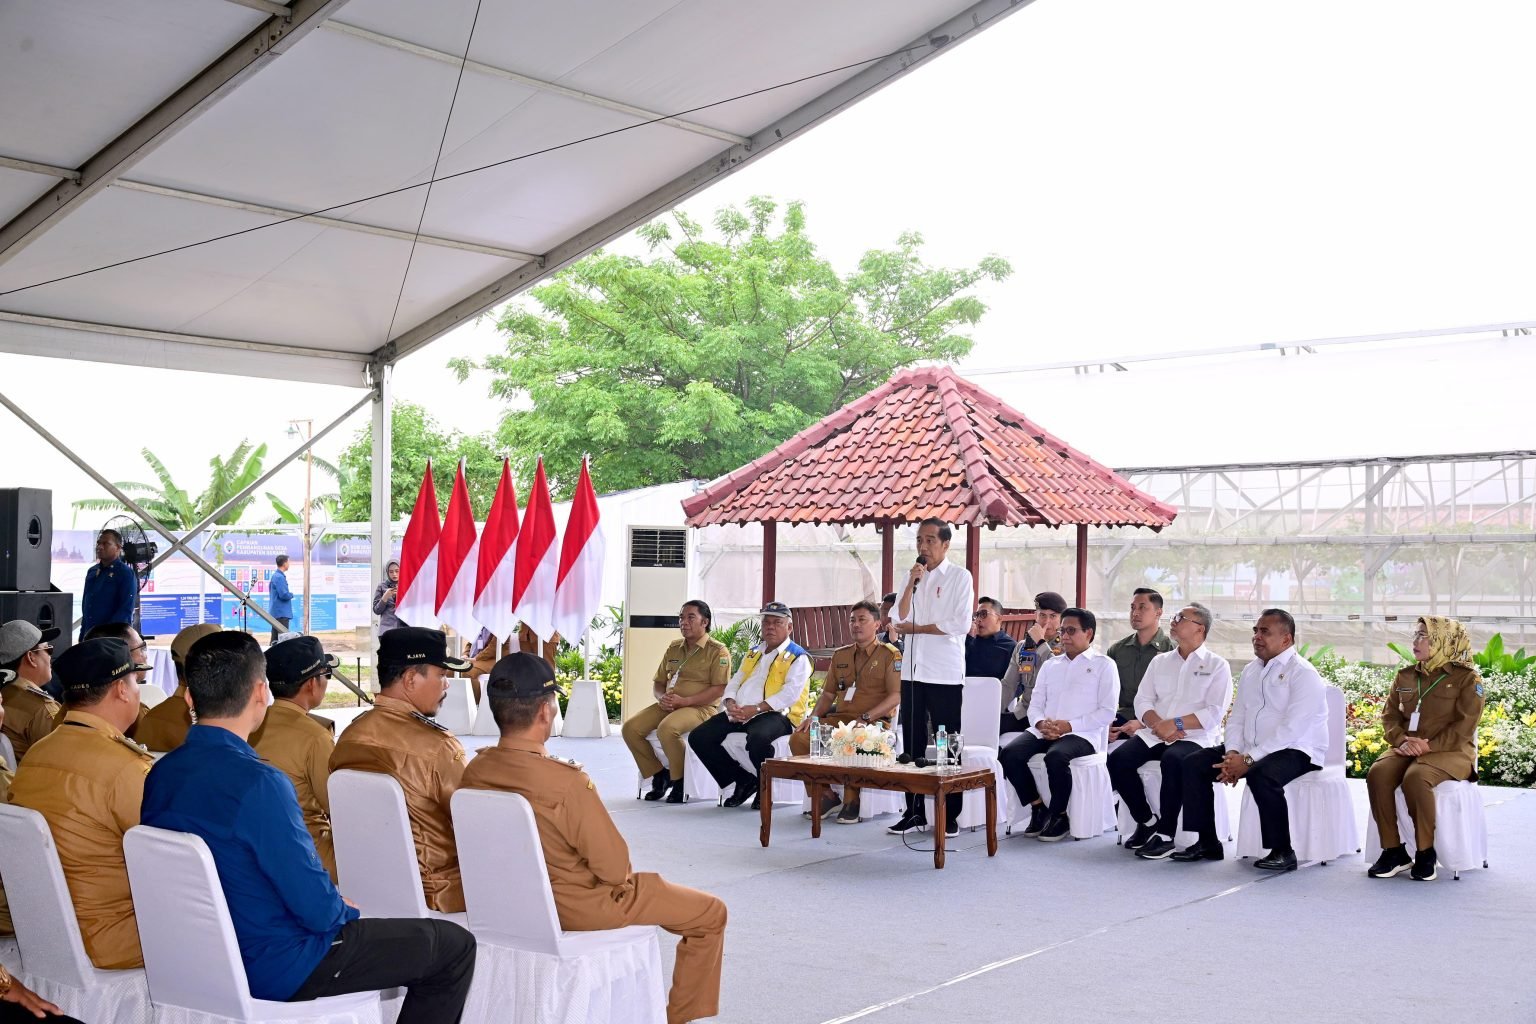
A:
1162	177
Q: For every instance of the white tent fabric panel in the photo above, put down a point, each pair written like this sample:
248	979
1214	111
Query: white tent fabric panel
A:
353	104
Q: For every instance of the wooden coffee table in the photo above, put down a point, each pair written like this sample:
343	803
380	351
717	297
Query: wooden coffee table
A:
817	775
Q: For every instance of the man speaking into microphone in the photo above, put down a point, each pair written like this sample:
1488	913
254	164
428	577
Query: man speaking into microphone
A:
933	614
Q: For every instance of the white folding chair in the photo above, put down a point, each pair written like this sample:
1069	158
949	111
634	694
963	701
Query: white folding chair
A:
53	957
1151	775
979	730
1461	828
191	956
457	713
785	791
376	865
1322	813
586	712
540	972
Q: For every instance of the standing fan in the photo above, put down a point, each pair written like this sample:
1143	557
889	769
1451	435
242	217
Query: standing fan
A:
138	551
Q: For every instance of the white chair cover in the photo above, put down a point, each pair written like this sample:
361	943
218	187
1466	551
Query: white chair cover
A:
698	784
1461	828
1091	807
53	960
1322	812
485	723
534	970
785	791
1152	782
586	712
376	865
151	695
979	730
190	953
457	713
661	755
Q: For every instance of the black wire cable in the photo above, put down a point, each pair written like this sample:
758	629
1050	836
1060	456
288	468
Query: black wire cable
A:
436	161
459	174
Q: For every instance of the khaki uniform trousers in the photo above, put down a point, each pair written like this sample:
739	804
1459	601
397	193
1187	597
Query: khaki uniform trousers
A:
696	917
670	728
1418	777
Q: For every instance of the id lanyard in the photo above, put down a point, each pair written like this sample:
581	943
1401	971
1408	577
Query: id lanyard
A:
672	684
1413	719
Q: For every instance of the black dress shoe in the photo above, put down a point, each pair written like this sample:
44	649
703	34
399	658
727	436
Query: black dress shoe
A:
1278	860
1142	836
1198	851
675	793
1056	829
743	792
658	786
1156	849
1037	818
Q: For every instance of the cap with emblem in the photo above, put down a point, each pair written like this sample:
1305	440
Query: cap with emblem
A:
522	675
189	636
19	636
93	663
778	608
417	645
293	661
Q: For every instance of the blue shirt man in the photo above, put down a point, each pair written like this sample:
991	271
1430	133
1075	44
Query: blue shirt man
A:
988	649
110	586
298	938
285	910
280	602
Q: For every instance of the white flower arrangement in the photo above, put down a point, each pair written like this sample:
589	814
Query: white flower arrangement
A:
855	743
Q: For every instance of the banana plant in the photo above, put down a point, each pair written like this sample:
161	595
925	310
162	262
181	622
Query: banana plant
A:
1494	658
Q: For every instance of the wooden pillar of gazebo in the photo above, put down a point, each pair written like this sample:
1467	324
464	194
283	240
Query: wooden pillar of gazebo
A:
770	559
973	558
1082	566
887	557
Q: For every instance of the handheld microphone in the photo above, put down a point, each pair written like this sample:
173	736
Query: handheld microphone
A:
920	762
922	559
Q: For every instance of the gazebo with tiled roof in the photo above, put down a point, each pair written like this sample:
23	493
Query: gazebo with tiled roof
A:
926	443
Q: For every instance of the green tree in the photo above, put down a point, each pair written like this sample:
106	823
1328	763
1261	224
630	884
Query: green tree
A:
173	506
415	437
713	350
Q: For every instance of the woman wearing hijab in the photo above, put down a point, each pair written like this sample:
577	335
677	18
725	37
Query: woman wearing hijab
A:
385	596
1430	720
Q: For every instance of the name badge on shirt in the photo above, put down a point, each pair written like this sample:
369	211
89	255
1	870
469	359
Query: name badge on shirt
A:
1413	722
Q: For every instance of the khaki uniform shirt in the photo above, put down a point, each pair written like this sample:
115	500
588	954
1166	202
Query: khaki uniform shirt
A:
587	858
299	745
873	674
165	726
30	714
6	928
695	670
395	739
87	780
1449	704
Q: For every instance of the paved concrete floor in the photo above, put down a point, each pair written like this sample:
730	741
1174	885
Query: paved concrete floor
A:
855	926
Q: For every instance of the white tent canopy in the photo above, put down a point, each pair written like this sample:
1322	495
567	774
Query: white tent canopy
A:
241	186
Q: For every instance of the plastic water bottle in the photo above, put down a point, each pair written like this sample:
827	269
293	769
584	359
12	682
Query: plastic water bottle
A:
815	729
941	744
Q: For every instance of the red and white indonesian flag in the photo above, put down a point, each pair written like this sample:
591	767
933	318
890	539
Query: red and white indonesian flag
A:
538	562
416	599
458	561
579	586
496	568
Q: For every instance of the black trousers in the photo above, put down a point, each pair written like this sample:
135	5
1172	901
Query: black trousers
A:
1007	724
1131	755
925	707
708	741
434	961
1058	767
1267	779
285	620
12	1013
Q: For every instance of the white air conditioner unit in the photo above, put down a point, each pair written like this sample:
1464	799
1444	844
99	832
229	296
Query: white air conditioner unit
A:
656	585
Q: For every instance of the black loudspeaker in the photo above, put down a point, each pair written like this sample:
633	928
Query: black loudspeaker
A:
26	538
45	609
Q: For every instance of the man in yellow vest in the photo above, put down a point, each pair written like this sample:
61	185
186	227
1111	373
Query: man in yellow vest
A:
765	699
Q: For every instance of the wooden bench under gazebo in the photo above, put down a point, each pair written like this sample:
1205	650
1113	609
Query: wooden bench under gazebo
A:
926	443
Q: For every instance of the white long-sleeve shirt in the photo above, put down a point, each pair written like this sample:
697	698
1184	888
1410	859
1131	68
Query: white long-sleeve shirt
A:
1084	691
1200	685
1280	705
944	597
749	690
